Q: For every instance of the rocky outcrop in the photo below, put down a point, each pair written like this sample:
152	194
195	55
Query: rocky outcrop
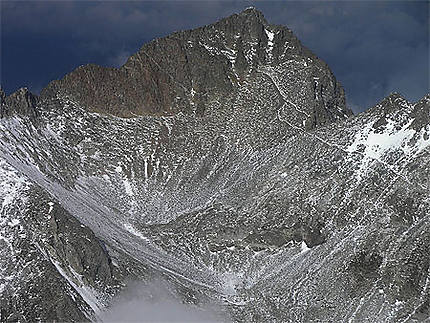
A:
2	103
60	270
70	243
21	102
421	114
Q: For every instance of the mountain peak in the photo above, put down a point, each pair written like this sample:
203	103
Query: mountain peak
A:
253	12
391	103
394	96
424	99
22	101
189	70
249	17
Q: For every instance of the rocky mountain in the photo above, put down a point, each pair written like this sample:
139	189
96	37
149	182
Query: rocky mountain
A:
223	162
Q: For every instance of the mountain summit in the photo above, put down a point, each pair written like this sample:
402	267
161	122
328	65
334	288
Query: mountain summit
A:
222	163
188	71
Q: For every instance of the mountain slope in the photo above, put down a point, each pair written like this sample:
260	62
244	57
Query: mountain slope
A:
225	161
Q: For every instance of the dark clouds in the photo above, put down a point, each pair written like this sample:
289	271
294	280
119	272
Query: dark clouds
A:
373	48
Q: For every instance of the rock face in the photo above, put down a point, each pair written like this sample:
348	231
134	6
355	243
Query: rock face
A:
224	161
187	70
51	265
21	102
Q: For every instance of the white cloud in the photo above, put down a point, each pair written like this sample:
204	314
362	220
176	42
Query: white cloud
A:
119	58
156	302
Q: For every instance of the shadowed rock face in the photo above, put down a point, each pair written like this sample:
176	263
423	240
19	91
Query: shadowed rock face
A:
51	257
422	114
253	190
21	102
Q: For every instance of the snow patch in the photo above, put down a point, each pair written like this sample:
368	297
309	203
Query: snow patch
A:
128	188
13	223
231	55
11	183
374	146
51	207
146	168
133	231
125	181
377	144
270	43
230	282
84	291
304	247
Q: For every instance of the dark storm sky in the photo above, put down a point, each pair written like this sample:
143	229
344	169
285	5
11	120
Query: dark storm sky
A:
373	48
